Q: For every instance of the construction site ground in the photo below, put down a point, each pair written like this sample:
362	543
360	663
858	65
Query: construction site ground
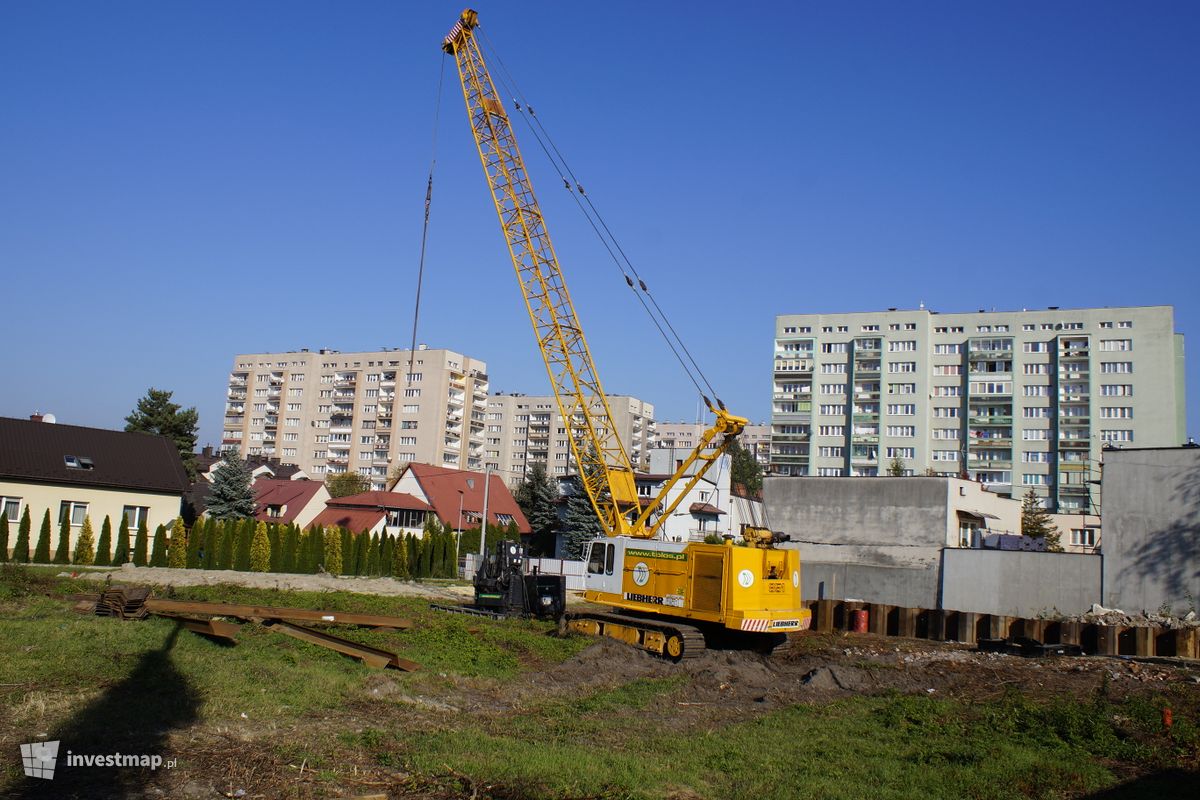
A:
511	710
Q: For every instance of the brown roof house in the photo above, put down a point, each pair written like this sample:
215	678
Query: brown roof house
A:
285	501
78	472
376	512
456	496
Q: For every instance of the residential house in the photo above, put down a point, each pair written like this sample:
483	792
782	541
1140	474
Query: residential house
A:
284	501
457	496
396	513
77	472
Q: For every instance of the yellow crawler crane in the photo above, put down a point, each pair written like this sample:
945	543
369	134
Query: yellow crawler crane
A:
668	597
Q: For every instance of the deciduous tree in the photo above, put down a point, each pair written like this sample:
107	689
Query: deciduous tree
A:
344	484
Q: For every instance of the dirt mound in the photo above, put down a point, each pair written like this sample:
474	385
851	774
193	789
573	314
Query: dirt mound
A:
606	661
828	679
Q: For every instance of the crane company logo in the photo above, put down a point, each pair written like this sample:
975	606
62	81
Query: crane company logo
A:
661	554
39	759
641	574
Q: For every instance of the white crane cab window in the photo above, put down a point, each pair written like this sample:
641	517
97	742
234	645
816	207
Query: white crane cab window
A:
600	559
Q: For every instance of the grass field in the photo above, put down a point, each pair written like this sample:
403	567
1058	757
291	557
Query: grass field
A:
507	709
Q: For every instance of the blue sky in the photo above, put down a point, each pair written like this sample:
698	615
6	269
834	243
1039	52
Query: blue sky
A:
180	182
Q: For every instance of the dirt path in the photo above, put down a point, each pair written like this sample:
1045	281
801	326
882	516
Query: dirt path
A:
162	576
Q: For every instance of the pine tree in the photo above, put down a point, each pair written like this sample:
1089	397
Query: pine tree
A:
400	558
181	545
1035	519
212	544
158	554
141	545
121	552
104	546
231	496
580	524
3	536
195	544
85	546
333	553
41	554
155	413
260	549
537	497
21	550
62	554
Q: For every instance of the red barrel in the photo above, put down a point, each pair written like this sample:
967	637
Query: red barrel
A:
858	621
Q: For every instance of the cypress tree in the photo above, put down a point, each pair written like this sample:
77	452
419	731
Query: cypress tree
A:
41	554
316	549
362	555
104	546
195	544
212	544
180	546
121	554
245	536
333	553
373	558
413	559
303	551
348	560
287	553
141	544
451	555
437	560
85	547
21	550
62	554
158	554
276	547
385	554
427	557
400	558
260	549
3	536
229	531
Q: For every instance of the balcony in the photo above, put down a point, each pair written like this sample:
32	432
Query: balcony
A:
271	422
1074	420
235	420
237	382
347	382
338	460
237	394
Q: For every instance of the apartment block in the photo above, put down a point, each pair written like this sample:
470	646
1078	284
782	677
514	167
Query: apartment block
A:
684	436
329	412
1015	400
525	429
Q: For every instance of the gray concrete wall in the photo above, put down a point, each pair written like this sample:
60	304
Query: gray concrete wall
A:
893	522
1019	584
1152	529
915	587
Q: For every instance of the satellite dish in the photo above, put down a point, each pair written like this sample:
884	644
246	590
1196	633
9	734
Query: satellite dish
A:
49	418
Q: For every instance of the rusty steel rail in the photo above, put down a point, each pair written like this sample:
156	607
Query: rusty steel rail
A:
370	656
156	606
217	629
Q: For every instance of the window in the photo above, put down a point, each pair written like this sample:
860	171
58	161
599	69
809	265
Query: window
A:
292	422
1035	412
902	409
902	388
902	432
833	347
1035	435
413	408
947	391
1028	326
901	452
1035	457
412	392
600	559
1036	391
832	430
1037	369
945	455
945	433
1083	537
1116	367
834	409
1116	390
947	369
1036	347
991	387
829	472
136	515
78	462
1116	345
902	366
870	328
947	349
1116	435
945	411
904	346
833	369
12	507
1125	324
831	452
833	388
1116	412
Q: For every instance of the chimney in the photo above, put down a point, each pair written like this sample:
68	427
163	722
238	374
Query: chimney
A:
36	416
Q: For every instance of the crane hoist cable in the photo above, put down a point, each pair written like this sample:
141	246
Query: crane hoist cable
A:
599	226
437	112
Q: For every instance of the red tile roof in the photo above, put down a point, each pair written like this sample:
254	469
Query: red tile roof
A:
401	500
292	495
355	520
442	486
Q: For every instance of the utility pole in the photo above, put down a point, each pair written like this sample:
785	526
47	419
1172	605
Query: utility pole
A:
487	484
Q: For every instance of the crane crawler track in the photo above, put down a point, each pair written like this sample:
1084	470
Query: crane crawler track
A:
664	638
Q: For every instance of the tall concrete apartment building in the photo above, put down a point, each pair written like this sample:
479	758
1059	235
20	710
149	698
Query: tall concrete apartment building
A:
329	412
525	429
1015	400
684	436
